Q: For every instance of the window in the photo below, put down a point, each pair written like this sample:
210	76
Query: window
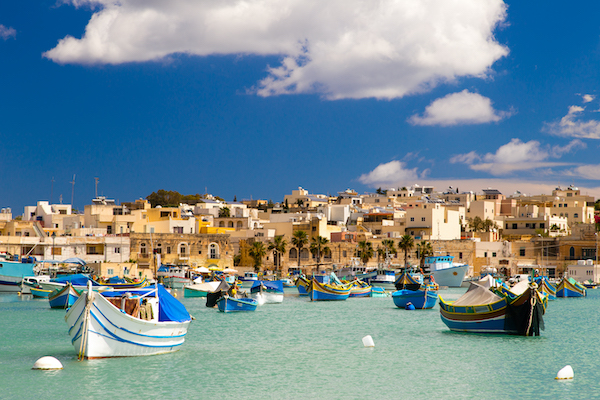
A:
560	205
158	249
522	252
532	226
182	249
460	255
213	251
57	251
514	226
485	254
168	249
143	248
117	250
542	225
422	219
344	253
165	214
178	229
109	230
412	219
110	271
566	215
314	228
526	225
493	254
576	215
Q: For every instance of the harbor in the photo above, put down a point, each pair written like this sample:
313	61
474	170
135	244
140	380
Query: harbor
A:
301	348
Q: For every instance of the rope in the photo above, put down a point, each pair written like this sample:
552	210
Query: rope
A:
86	317
532	301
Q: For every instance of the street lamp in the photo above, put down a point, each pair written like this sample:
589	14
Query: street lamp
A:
53	237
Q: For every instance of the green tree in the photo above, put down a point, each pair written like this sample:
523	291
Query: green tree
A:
406	243
318	247
224	212
389	246
171	198
476	224
364	251
257	252
299	240
278	247
424	250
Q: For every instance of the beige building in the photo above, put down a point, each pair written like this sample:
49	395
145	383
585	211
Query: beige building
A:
433	221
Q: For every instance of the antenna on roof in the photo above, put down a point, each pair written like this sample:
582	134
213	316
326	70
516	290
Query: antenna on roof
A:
96	179
72	190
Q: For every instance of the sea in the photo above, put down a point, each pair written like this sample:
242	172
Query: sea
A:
311	350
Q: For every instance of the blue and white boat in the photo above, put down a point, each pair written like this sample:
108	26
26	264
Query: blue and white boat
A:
445	272
231	304
248	279
13	271
40	293
421	299
267	292
63	298
127	322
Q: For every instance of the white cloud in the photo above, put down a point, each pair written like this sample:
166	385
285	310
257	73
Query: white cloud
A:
391	172
570	125
7	32
341	48
588	98
517	156
590	171
459	108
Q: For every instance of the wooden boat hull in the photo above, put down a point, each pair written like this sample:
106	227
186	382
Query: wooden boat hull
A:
502	316
99	329
41	293
230	304
325	292
63	298
421	299
567	289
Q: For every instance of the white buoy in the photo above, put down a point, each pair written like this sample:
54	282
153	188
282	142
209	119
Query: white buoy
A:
368	341
565	373
47	363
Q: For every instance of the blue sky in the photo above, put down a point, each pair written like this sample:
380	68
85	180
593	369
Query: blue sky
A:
256	98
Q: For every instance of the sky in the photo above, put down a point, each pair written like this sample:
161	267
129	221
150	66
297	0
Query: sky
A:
254	98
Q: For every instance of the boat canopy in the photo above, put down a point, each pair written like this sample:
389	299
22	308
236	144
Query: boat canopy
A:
276	286
477	295
116	279
169	308
405	281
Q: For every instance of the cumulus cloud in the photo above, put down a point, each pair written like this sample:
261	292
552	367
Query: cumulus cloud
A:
7	32
572	125
590	171
588	98
517	156
459	108
340	48
389	173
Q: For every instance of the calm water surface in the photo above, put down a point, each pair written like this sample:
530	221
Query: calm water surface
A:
304	350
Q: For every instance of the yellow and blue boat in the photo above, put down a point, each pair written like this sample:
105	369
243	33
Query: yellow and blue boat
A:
569	287
360	289
63	298
320	289
480	310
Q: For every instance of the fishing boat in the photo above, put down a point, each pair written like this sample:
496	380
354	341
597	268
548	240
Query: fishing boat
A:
482	311
12	272
173	276
267	292
123	323
248	279
80	282
41	293
288	282
360	289
200	289
303	285
569	287
445	271
544	286
32	281
232	304
421	299
413	291
63	298
321	289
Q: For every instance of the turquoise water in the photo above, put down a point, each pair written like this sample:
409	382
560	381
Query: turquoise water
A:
304	350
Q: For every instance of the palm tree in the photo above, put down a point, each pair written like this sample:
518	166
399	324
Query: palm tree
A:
424	250
381	252
318	247
364	251
278	246
257	252
406	243
389	246
299	240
